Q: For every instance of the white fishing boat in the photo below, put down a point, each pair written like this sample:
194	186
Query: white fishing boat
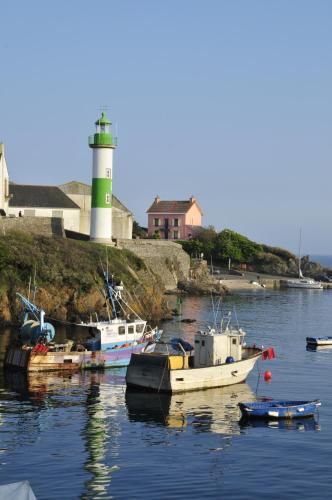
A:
220	358
301	281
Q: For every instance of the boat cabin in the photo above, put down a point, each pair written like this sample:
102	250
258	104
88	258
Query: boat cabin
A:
111	334
212	348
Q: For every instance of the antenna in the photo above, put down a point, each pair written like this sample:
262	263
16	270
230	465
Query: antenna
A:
106	248
103	108
29	288
34	285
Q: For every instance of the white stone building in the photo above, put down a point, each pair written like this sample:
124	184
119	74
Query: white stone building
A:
70	201
122	218
43	201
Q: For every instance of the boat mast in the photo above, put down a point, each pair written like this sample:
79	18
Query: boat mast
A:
300	273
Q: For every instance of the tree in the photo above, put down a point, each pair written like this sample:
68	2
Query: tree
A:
139	231
229	244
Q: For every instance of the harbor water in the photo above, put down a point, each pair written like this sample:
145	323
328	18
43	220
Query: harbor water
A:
82	435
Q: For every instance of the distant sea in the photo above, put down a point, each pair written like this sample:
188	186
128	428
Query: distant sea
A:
325	260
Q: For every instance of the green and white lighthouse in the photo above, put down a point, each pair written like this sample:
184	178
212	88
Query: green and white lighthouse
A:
103	145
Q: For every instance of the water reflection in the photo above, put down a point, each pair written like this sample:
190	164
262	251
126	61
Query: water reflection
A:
301	425
213	410
319	348
102	430
100	393
26	406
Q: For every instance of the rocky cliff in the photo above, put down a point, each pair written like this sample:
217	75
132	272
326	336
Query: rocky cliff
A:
165	259
68	277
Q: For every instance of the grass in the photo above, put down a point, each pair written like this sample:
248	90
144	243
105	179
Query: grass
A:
68	275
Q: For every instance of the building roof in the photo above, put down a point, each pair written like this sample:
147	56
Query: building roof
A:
24	195
172	207
76	187
118	204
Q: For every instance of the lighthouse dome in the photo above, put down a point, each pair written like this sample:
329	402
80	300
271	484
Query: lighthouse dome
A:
102	136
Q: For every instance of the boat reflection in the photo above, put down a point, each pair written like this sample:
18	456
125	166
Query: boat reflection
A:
301	425
214	410
311	347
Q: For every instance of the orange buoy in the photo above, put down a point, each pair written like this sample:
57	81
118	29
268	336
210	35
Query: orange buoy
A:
267	376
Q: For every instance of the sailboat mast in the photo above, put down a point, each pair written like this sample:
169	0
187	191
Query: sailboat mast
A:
300	273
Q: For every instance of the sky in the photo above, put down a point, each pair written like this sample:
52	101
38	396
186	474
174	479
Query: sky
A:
229	101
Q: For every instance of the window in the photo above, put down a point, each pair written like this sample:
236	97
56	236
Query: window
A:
131	329
156	222
122	330
234	341
140	328
108	173
107	199
175	235
176	223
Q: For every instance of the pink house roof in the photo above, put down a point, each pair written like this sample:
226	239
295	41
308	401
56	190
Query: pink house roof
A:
172	207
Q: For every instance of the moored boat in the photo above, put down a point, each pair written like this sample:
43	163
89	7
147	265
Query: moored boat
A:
319	341
276	409
109	343
306	283
220	358
301	281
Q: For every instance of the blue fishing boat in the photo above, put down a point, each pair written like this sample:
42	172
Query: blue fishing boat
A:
279	409
319	341
109	343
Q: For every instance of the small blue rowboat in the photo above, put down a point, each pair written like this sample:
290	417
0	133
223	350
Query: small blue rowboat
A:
279	409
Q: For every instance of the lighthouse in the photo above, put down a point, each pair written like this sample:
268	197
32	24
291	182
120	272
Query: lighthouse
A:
102	144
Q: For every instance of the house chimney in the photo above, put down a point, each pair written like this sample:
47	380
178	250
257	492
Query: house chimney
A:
157	199
192	199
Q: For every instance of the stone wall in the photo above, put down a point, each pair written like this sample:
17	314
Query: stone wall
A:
47	226
164	258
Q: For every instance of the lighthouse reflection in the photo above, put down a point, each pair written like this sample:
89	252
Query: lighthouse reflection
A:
99	394
102	432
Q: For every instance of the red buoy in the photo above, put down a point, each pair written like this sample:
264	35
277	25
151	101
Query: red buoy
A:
267	376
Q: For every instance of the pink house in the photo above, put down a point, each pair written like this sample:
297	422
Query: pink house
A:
174	220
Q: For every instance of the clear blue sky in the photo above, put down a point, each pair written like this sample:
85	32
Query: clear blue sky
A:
227	100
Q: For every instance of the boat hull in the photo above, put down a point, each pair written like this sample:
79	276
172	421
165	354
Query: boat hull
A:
304	285
320	341
279	409
23	359
152	372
